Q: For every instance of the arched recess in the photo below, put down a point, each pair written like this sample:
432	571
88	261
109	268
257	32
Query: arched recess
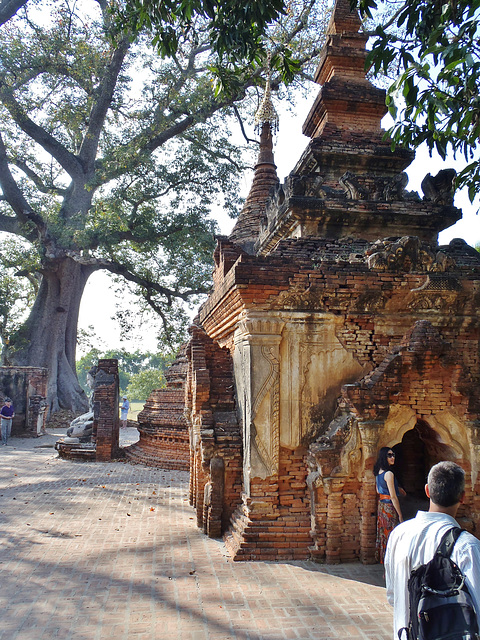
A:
419	449
414	402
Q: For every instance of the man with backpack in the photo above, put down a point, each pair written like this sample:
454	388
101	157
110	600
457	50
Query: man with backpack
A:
413	544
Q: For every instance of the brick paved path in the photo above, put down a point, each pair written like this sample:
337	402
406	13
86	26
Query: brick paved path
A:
98	551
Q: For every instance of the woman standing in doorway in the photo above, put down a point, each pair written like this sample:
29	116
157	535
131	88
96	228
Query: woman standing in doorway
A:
389	511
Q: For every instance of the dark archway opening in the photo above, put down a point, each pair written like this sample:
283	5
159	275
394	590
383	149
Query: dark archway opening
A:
416	454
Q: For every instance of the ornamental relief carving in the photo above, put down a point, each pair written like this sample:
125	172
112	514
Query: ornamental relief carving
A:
337	453
428	301
260	325
299	298
370	302
407	254
266	412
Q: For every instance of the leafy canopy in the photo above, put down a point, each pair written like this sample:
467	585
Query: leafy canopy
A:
143	383
136	379
115	158
431	50
17	292
236	30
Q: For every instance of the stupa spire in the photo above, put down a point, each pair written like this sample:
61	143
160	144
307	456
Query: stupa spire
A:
246	230
347	101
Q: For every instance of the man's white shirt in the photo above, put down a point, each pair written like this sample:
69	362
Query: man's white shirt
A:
413	543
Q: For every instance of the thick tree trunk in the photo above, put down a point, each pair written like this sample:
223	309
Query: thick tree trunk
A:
48	338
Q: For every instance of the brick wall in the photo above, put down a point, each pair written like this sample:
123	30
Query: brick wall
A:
27	387
105	408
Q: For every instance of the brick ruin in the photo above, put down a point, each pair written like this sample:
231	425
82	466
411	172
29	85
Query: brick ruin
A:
103	444
27	387
337	325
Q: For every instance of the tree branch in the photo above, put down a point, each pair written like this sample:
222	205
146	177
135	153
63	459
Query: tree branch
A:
242	128
88	149
35	178
65	158
15	197
9	224
145	283
211	152
8	8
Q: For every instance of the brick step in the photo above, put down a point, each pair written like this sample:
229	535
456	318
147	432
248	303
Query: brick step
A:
153	459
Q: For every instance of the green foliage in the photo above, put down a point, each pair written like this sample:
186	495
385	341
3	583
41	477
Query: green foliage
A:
143	383
432	50
130	366
17	293
116	158
235	30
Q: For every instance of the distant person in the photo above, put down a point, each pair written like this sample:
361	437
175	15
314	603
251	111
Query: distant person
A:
124	411
7	413
414	542
389	511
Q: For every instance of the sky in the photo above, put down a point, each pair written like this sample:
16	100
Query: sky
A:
99	299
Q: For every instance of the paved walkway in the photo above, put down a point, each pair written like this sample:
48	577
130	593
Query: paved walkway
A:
93	551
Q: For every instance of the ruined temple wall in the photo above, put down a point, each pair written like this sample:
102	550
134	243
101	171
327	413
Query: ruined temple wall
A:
27	387
273	522
293	350
215	440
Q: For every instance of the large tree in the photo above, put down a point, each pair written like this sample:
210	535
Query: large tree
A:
431	51
112	158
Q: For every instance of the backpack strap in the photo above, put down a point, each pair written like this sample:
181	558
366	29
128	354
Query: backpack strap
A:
447	542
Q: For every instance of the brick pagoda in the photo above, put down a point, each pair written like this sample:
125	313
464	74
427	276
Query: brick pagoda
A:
337	325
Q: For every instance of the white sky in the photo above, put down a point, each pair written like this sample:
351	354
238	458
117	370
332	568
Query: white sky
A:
98	303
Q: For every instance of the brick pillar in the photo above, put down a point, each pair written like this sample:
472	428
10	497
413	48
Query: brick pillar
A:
201	481
335	523
368	524
105	408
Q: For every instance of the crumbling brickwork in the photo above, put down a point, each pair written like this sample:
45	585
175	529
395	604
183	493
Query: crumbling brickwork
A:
215	439
105	410
27	387
337	325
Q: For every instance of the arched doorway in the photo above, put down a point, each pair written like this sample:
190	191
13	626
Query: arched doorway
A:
416	454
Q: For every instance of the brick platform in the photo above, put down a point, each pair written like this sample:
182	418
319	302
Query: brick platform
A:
111	551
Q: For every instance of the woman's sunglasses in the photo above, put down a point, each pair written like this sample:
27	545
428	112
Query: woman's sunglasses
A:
390	455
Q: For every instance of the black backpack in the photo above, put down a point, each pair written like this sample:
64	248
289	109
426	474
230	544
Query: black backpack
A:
441	607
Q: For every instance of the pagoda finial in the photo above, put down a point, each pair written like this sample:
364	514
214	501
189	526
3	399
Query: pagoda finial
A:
266	113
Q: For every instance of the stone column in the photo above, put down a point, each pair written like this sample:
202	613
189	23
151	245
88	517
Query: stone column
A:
257	377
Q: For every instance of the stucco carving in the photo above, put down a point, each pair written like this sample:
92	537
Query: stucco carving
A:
300	298
336	453
406	254
257	375
379	188
266	407
431	300
439	188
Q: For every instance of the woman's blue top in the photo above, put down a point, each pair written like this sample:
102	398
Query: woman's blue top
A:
382	487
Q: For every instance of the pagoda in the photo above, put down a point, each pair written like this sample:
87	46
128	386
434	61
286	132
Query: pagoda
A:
336	325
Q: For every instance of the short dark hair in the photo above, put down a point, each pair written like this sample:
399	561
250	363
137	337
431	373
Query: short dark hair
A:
446	483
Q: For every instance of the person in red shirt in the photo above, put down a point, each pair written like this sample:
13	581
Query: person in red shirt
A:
6	416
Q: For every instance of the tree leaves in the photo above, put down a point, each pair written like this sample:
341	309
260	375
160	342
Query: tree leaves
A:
432	51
